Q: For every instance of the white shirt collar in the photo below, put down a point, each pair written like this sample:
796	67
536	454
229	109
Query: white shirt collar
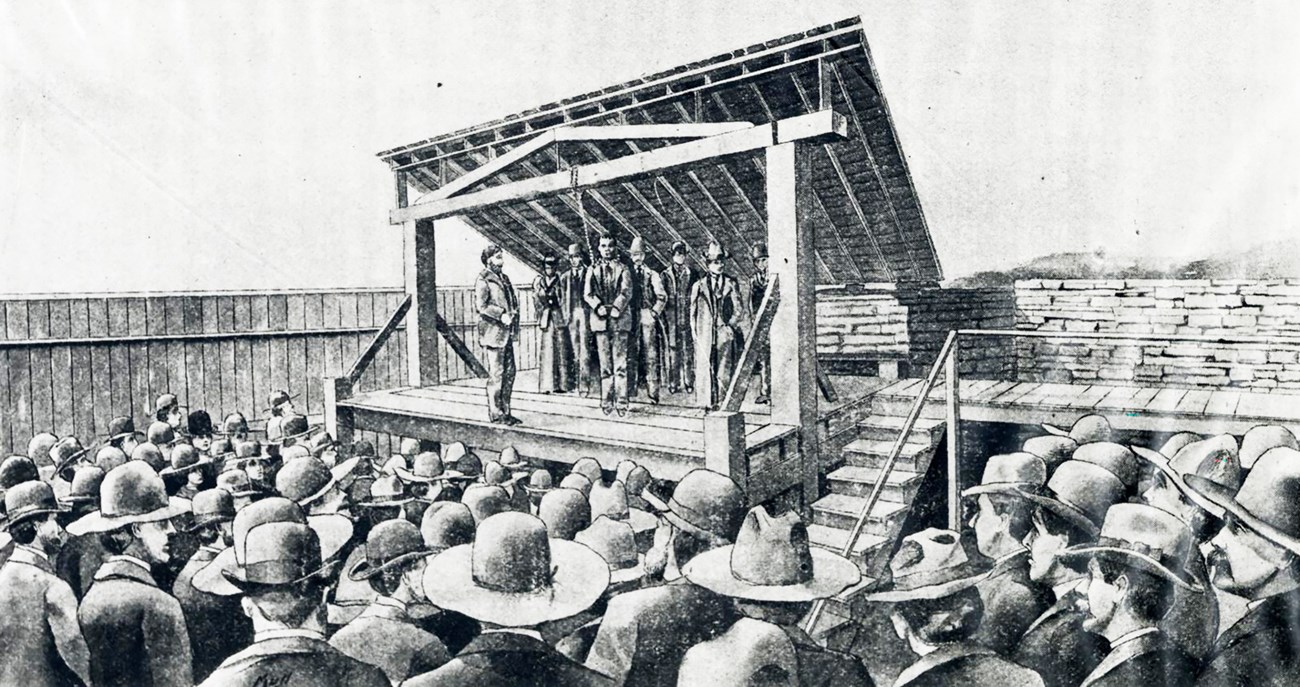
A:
126	558
32	551
267	635
1009	556
1064	588
1124	639
389	602
518	631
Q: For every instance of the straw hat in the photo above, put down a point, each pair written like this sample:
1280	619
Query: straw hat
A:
772	561
446	524
131	493
1085	430
1259	440
1144	537
1266	501
705	503
389	544
453	452
1011	473
1081	493
565	512
616	544
930	564
1214	459
513	575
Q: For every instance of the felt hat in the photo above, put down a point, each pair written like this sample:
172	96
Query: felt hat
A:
120	428
363	449
66	452
616	543
427	470
17	469
565	512
589	468
109	457
235	423
1085	430
1053	449
185	459
1175	443
638	246
28	500
1011	473
221	448
623	469
1260	439
1214	459
85	485
38	449
211	506
452	452
279	554
539	482
1081	493
1117	458
306	479
150	455
391	465
446	524
386	492
131	493
161	434
715	251
772	561
468	467
678	247
1144	537
611	502
1267	502
930	564
409	446
513	575
165	402
496	473
389	544
758	251
320	443
236	482
510	458
576	251
199	424
637	481
289	453
293	428
250	450
278	398
705	503
486	500
577	483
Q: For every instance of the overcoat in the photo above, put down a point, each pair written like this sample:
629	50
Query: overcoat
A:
1012	602
1151	660
1057	646
386	636
1263	648
494	295
716	313
135	631
555	360
42	643
678	280
217	624
609	283
966	663
751	646
509	659
294	660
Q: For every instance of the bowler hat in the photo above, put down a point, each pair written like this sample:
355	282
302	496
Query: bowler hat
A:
705	503
221	448
160	434
199	424
1260	439
294	427
38	449
249	450
278	398
452	452
510	458
28	500
486	500
930	564
616	543
565	512
468	467
539	482
120	428
513	575
389	544
715	251
279	554
611	501
1214	459
296	451
1011	473
386	492
320	443
1267	501
109	457
131	493
496	473
165	402
17	469
1144	537
1175	443
185	459
758	251
577	483
427	470
1114	457
64	453
235	423
211	506
1085	430
679	247
446	524
150	455
410	446
85	484
1053	449
772	561
1081	493
236	482
304	480
589	468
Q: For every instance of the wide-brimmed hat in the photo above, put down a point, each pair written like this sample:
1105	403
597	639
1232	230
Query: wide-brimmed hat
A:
235	423
185	459
409	446
15	470
1053	449
389	544
109	457
467	468
1085	430
293	428
577	483
486	500
120	428
199	424
1261	439
1011	472
161	434
1266	501
38	449
1175	443
165	402
131	493
539	482
510	458
453	451
306	479
772	561
589	468
277	398
929	564
85	485
1116	458
279	554
513	575
496	473
1081	493
289	453
705	503
250	450
446	524
1214	459
211	506
386	492
1144	537
66	452
149	454
428	469
616	543
565	512
28	500
320	443
611	501
236	482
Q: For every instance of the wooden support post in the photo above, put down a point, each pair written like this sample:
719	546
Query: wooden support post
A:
422	320
338	421
954	440
399	178
793	335
724	445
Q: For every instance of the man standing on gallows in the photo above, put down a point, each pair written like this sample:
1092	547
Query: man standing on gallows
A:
554	359
609	294
757	288
573	284
498	327
715	321
649	300
678	279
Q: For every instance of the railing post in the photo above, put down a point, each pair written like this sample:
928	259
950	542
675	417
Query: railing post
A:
724	445
954	437
338	421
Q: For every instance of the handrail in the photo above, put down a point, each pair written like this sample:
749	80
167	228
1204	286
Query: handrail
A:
878	488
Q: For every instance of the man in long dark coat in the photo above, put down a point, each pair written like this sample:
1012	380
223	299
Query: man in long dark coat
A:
715	320
678	277
573	284
757	289
608	293
649	299
498	309
554	354
217	625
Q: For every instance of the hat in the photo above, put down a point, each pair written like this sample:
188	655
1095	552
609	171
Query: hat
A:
496	473
389	544
1144	537
577	483
150	455
66	452
513	575
293	428
715	251
446	524
1053	449
120	428
510	458
468	467
386	492
589	468
17	469
1010	473
1214	459
678	247
576	251
611	501
185	458
638	245
109	457
161	434
236	482
296	451
930	564
390	466
1081	493
165	403
539	482
249	450
306	479
28	500
485	500
130	493
364	448
1267	500
278	398
279	554
235	423
1085	430
565	512
428	469
550	260
636	482
758	251
199	424
221	447
772	561
85	484
1175	443
1259	440
38	449
320	443
704	502
1114	457
211	506
452	452
616	544
410	446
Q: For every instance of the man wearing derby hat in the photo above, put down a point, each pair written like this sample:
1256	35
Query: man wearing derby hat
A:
498	329
1133	569
43	644
565	512
167	408
936	609
122	434
774	578
616	544
649	299
608	293
716	315
81	556
280	406
573	282
1256	555
38	451
446	524
554	356
217	625
757	289
386	635
513	579
187	463
646	632
235	427
136	632
678	278
1261	439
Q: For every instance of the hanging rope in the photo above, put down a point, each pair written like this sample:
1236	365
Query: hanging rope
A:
582	211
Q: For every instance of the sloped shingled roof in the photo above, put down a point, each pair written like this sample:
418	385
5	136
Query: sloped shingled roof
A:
868	219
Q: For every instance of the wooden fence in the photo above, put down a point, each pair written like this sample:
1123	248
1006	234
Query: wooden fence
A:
72	363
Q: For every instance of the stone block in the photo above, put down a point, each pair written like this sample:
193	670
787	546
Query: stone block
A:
1213	301
1204	320
1241	373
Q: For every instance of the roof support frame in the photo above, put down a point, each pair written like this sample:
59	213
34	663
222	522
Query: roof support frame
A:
541	211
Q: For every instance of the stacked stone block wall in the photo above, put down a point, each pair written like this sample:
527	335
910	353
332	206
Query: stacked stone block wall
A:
861	323
933	312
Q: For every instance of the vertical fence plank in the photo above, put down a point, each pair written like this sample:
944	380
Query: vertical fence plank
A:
18	368
118	357
38	327
177	365
83	398
65	423
137	313
6	409
314	318
101	377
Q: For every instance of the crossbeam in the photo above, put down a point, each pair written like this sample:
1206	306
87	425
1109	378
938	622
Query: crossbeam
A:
460	349
381	337
815	125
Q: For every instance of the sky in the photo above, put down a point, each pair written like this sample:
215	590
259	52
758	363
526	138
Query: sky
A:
163	146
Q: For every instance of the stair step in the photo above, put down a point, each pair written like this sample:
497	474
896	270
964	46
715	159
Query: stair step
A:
857	480
934	408
887	427
833	539
870	453
841	511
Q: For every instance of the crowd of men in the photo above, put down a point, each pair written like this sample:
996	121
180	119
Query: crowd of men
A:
194	554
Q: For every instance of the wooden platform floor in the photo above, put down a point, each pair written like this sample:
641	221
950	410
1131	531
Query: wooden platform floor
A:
1137	408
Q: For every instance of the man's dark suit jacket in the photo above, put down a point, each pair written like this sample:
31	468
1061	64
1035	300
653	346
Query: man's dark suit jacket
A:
1058	647
295	662
1263	648
1152	660
1012	602
217	624
966	664
507	659
135	631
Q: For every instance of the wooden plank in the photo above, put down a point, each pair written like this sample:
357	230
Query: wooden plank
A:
296	360
971	388
689	419
243	374
1090	397
1045	391
755	344
38	327
1267	406
83	400
101	366
16	320
1142	398
120	391
1014	393
989	392
18	372
65	414
260	315
1166	400
227	375
462	351
141	393
1117	397
363	361
60	318
6	409
1194	402
1223	402
262	383
243	312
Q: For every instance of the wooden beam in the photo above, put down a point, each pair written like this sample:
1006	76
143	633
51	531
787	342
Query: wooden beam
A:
420	275
815	125
953	398
625	132
381	337
460	349
755	343
824	384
